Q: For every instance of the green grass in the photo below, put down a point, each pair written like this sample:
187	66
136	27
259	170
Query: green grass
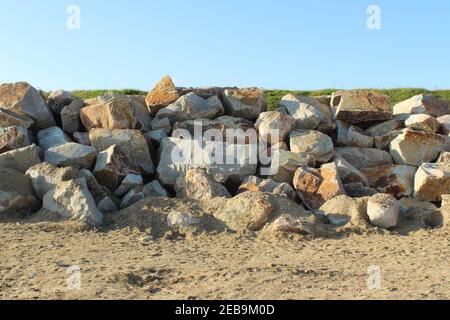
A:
273	97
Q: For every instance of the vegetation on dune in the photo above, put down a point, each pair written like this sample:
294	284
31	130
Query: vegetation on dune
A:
273	97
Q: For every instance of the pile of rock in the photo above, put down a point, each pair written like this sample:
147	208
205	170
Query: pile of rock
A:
347	158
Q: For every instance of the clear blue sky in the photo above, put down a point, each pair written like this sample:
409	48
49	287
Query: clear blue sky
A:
292	44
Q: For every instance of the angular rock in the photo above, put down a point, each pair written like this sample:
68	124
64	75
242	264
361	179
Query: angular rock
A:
59	99
21	159
444	122
272	120
383	211
131	181
132	142
432	181
444	157
52	137
255	184
306	111
71	155
162	95
352	136
10	119
363	106
416	147
246	103
312	143
383	142
132	197
396	180
155	188
82	138
106	205
291	224
12	138
419	104
317	186
70	116
288	163
422	122
72	200
385	128
348	173
416	214
162	124
342	210
197	184
359	190
364	158
22	100
16	193
114	114
112	166
155	136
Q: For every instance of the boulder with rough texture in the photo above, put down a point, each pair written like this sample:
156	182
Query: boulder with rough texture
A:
72	200
176	220
308	112
444	122
162	95
132	197
197	184
363	106
348	173
16	193
396	180
342	210
272	120
21	159
383	211
352	136
432	181
287	163
359	190
106	205
419	104
384	128
155	188
71	155
10	119
112	166
291	224
444	157
82	138
131	142
52	137
246	103
312	143
131	181
255	184
12	138
70	116
416	147
190	107
362	158
317	186
114	114
59	99
23	101
384	142
422	122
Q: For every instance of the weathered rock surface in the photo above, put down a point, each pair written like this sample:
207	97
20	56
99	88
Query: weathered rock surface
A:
359	190
106	205
348	173
82	138
132	197
362	158
59	99
444	157
288	163
52	137
385	128
70	116
416	147
131	142
396	180
155	189
317	186
197	184
255	184
131	181
342	210
21	159
12	138
10	119
71	155
162	95
312	143
422	122
419	104
272	120
22	100
72	200
383	211
351	136
432	181
444	122
363	106
290	224
308	112
244	103
16	193
177	220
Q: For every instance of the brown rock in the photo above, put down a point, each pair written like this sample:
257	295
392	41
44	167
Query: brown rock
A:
164	94
14	138
396	180
244	103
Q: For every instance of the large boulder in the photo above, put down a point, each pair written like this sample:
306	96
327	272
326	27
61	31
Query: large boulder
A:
71	155
162	95
363	106
112	166
342	210
416	147
16	193
444	122
190	107
307	111
348	173
273	120
132	142
317	186
22	100
10	119
197	184
312	143
177	156
384	128
383	211
70	116
246	103
52	137
72	200
419	104
114	114
352	136
21	159
362	158
59	99
12	138
422	122
432	181
396	180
